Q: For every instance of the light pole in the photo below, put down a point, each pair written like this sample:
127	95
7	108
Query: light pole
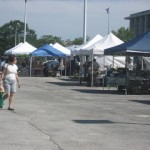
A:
84	34
85	20
25	21
108	18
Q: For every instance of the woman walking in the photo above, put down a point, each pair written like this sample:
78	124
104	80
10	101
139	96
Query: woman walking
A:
10	79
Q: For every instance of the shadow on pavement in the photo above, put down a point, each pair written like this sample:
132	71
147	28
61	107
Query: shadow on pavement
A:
64	83
147	102
69	79
93	121
105	122
93	91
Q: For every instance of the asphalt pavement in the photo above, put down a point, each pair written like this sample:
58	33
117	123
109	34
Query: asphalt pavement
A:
59	114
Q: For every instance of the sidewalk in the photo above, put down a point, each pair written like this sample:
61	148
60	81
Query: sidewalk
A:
58	114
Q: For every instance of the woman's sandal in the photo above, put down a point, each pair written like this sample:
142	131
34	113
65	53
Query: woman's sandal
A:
10	108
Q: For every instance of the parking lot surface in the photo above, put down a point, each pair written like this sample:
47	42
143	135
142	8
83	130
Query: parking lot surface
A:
59	114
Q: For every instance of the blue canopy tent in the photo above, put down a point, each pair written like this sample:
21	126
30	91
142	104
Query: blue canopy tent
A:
46	50
41	52
138	46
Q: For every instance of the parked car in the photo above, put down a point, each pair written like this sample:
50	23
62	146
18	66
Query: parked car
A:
50	68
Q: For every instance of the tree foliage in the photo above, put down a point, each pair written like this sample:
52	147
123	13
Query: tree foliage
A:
48	39
12	33
79	40
124	34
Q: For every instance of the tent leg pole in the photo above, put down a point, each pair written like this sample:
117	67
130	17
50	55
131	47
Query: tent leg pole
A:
103	70
70	68
126	78
92	71
30	66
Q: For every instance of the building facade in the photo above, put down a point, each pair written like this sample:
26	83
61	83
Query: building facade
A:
139	22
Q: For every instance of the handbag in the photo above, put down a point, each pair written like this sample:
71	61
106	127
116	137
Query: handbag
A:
4	72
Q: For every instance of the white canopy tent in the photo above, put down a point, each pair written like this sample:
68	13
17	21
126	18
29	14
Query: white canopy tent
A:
147	62
97	38
97	49
62	49
109	62
10	50
21	49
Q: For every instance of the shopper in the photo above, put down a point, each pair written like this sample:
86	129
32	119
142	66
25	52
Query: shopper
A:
10	79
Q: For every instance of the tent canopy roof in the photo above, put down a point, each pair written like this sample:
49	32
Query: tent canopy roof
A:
109	40
97	38
21	49
97	48
136	46
47	50
41	52
62	49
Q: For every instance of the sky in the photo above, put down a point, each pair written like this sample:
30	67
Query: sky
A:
64	18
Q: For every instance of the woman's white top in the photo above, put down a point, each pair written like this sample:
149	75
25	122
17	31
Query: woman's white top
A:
11	71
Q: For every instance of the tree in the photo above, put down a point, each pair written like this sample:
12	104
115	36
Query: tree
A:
79	41
12	33
47	39
124	34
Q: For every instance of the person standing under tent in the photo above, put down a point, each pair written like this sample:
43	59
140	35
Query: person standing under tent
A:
96	66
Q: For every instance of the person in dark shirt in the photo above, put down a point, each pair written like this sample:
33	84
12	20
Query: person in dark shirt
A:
94	71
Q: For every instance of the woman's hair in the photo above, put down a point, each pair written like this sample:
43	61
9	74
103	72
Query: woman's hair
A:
11	58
